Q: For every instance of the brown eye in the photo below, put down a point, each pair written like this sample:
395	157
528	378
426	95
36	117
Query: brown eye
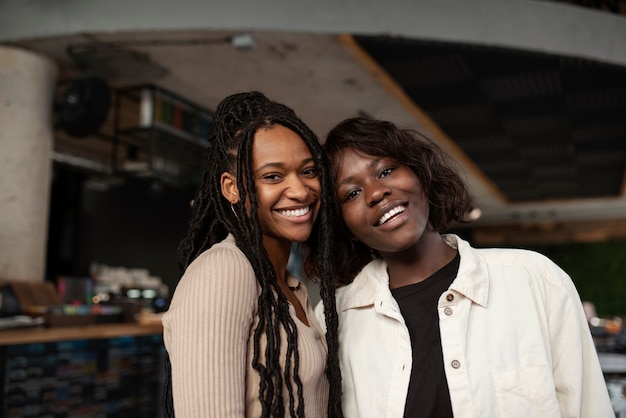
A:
385	172
272	177
351	195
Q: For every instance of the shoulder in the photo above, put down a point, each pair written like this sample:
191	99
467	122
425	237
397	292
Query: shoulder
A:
524	264
508	263
221	255
507	257
517	257
220	282
514	256
224	264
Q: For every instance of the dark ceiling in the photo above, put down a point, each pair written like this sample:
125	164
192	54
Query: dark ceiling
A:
541	127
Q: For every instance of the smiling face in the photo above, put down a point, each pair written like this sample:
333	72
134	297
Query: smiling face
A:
382	202
287	186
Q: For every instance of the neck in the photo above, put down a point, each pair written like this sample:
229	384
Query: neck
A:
278	252
419	262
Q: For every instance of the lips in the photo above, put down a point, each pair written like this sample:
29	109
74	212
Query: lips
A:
390	214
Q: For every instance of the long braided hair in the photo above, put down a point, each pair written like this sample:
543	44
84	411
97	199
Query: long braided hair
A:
236	120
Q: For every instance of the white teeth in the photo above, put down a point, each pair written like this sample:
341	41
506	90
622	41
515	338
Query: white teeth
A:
295	212
388	215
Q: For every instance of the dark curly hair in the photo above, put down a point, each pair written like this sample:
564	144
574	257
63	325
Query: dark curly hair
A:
446	192
236	120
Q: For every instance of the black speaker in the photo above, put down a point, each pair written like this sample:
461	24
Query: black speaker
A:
83	106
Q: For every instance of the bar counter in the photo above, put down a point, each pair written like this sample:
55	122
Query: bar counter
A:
96	331
104	370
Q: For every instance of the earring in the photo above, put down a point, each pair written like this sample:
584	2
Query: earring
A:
234	212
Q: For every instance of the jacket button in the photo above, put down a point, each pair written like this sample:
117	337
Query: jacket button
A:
447	311
455	364
450	297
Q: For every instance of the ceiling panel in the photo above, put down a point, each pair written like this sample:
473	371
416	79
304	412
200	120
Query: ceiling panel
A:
541	127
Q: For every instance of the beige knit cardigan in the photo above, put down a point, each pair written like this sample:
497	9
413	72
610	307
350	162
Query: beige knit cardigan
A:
208	333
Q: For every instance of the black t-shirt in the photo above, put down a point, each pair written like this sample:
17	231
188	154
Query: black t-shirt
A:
428	394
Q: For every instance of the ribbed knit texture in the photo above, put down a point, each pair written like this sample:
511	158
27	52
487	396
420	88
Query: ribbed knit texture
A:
208	333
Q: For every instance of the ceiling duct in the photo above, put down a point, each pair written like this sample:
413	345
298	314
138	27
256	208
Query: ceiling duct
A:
114	63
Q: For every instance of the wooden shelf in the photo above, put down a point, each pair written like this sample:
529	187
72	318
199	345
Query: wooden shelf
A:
159	134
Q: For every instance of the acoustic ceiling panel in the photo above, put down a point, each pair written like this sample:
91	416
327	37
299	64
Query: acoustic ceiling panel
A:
540	126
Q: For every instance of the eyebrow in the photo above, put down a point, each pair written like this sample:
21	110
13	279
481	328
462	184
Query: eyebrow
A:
281	165
349	179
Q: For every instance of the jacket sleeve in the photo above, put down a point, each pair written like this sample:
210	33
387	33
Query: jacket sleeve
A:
207	329
580	384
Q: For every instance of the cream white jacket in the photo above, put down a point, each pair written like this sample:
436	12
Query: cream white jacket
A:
514	335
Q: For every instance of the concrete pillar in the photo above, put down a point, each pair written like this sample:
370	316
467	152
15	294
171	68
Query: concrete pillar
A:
26	94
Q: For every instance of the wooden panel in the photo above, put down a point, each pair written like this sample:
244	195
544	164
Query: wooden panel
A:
551	233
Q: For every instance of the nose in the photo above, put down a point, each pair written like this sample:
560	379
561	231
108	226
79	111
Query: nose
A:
376	192
298	189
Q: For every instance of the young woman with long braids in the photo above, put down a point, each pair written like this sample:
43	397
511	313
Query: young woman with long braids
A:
240	334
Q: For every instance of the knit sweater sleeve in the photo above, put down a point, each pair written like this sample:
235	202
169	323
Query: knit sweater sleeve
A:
206	331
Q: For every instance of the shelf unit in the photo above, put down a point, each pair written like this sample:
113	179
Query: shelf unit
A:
110	371
159	134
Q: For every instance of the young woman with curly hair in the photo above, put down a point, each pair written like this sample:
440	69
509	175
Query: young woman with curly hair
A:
430	326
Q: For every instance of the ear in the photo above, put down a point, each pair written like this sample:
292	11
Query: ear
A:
229	187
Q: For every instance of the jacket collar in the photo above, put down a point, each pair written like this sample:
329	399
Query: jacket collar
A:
373	278
472	280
